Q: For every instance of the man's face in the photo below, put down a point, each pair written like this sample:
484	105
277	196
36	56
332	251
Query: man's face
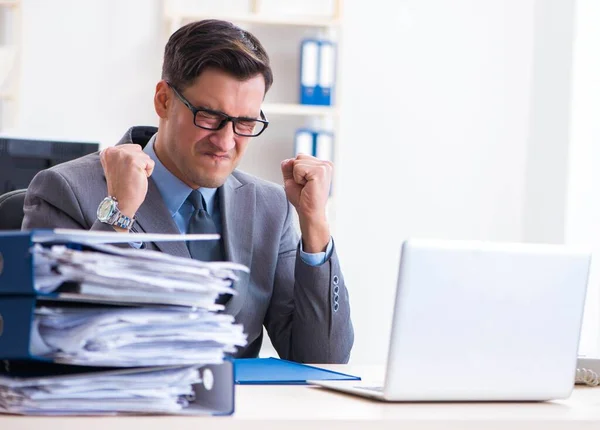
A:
199	157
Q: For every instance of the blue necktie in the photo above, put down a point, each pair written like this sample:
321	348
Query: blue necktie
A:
202	223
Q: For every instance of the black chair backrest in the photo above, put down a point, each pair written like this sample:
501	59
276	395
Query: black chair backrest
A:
11	210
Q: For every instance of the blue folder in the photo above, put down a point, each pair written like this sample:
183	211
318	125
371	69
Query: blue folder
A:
317	72
273	371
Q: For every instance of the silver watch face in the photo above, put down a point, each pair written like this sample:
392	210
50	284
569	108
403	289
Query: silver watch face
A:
105	209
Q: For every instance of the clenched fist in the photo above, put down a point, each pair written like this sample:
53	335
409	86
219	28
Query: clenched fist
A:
127	169
307	181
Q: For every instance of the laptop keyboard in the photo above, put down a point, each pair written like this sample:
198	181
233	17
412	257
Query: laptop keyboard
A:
377	389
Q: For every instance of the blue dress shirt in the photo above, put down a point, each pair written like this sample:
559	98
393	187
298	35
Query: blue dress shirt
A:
175	194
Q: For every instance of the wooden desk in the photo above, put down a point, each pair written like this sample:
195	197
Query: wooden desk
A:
302	407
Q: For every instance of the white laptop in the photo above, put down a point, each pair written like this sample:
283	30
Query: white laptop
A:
482	321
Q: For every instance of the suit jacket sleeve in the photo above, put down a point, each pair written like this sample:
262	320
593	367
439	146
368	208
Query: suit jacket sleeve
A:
309	316
50	202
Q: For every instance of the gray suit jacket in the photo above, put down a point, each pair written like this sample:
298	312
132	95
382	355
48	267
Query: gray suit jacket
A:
304	309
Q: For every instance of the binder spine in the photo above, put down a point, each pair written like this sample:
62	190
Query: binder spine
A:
324	146
16	264
309	71
16	319
304	142
217	391
326	80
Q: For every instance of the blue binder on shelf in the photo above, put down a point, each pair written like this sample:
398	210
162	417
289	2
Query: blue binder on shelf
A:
317	143
325	84
317	72
304	142
273	371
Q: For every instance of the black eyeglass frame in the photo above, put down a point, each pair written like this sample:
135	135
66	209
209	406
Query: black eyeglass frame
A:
226	118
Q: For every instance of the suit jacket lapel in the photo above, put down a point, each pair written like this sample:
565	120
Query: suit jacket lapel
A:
238	205
154	217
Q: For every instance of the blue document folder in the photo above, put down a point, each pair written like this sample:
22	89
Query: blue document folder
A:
317	72
273	371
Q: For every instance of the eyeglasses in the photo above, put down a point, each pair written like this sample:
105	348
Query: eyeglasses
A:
209	119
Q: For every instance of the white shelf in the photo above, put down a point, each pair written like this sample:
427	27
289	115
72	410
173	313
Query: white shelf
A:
6	96
298	109
9	3
300	21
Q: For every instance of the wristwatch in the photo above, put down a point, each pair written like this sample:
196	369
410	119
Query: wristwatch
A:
108	213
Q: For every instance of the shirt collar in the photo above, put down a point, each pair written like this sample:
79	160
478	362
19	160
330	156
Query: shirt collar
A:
173	191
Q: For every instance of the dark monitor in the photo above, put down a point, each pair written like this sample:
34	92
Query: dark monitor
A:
21	159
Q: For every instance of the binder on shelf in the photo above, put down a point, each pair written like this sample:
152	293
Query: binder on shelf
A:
309	68
326	73
324	145
304	142
317	143
317	72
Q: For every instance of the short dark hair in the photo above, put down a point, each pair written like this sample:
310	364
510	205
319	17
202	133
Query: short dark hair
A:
217	44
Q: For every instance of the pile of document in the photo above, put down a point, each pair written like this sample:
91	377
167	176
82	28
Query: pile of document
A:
146	390
132	275
130	337
149	315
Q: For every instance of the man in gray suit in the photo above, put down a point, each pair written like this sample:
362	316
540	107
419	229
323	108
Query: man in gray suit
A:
181	178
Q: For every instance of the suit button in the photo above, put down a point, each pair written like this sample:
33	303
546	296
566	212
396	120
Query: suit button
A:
336	279
336	306
336	290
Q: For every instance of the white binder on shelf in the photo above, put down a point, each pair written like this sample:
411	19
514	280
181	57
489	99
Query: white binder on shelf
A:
324	145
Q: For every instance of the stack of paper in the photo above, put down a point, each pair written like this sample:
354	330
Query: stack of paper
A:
132	275
134	336
101	306
152	390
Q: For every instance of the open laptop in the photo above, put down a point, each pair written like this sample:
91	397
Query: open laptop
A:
482	321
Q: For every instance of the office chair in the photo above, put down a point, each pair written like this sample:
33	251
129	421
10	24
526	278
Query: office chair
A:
11	210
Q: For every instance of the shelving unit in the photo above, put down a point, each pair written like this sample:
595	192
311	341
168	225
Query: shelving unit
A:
10	44
299	109
264	19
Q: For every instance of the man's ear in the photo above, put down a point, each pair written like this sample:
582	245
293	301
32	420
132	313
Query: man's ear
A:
162	99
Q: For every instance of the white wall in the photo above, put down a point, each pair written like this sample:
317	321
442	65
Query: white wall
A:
436	125
89	68
582	212
453	120
548	144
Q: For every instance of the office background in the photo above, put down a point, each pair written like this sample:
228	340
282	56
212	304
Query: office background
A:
457	119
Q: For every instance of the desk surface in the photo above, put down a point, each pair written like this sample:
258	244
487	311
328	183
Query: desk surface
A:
303	407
